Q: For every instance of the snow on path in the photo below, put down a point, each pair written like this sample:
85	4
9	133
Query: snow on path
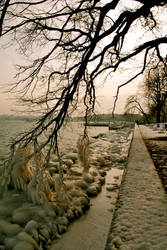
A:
151	131
140	221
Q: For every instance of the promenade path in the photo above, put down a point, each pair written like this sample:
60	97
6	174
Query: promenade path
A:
140	221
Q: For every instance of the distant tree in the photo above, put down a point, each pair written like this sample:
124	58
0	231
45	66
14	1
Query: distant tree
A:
156	91
70	44
152	95
134	106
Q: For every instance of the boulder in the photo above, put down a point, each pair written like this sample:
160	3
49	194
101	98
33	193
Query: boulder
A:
68	162
88	178
72	156
92	190
23	245
81	184
62	220
12	229
76	171
22	215
25	237
10	242
9	229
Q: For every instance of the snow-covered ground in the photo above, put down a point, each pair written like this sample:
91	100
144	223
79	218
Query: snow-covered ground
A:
137	220
140	221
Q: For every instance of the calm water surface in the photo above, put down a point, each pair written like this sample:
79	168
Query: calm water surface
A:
10	128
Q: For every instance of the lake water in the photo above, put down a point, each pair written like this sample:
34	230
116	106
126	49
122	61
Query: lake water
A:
10	128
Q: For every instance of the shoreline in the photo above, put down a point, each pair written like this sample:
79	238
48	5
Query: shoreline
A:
39	229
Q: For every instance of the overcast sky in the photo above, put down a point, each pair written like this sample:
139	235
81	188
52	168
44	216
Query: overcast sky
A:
106	92
9	57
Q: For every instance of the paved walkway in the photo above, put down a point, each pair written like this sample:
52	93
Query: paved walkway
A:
140	221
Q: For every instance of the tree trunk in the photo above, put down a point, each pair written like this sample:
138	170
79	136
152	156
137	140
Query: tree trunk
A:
158	118
145	115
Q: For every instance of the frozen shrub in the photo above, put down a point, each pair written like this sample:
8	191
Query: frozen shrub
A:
83	152
19	170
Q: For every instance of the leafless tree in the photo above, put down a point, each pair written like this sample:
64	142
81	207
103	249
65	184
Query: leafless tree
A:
152	95
156	90
71	43
134	106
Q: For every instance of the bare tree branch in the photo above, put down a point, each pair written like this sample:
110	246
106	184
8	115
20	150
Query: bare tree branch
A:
72	43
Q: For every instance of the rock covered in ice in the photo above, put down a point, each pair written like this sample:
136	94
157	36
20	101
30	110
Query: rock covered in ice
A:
93	171
88	178
62	220
10	201
10	242
61	228
23	236
45	232
23	245
82	184
70	214
72	156
76	192
76	171
102	172
31	228
92	190
22	215
102	180
68	162
60	210
9	229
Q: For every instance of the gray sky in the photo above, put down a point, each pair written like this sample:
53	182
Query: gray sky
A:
105	93
9	58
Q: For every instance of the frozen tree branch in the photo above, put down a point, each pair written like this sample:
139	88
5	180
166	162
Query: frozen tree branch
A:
71	44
